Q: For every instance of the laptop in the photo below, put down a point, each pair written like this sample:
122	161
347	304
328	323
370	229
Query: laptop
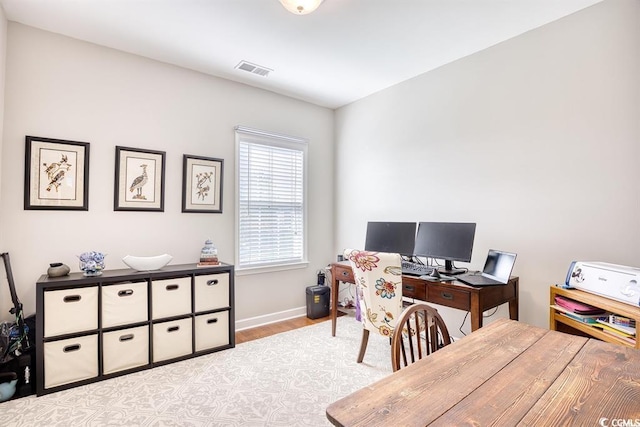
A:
497	270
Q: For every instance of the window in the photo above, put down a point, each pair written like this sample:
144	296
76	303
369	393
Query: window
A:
270	194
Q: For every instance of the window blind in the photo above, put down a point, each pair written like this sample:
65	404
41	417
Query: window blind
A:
271	201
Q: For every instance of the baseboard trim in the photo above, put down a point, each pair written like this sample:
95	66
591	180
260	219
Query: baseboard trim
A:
267	319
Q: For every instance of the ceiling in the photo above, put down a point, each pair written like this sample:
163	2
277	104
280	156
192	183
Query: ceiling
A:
342	52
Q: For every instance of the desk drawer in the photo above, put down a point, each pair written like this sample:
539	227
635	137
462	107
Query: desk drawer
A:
447	296
344	274
415	291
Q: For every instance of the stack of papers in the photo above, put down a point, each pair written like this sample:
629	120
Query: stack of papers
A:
612	324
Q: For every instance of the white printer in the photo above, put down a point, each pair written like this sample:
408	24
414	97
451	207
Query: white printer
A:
613	281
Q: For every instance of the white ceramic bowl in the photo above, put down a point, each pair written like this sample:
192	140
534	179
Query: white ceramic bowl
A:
147	263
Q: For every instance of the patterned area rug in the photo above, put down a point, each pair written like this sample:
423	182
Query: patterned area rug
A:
287	379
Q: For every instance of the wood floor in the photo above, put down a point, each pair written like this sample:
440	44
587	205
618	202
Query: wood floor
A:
276	328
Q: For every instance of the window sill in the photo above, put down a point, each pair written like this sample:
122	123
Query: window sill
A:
270	268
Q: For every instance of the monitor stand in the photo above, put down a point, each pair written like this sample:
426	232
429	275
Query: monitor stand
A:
449	270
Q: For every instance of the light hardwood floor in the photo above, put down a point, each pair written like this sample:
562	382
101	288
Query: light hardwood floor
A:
276	328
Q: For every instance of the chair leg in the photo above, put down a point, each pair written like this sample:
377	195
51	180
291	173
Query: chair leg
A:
363	344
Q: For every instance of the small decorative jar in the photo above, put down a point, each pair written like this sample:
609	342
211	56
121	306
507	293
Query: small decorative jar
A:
209	254
92	263
58	269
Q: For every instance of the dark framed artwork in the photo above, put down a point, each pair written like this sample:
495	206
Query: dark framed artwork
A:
56	174
202	184
139	180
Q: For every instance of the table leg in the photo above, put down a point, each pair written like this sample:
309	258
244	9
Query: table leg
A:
513	304
476	313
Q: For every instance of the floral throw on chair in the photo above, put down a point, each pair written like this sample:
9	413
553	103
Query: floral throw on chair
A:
378	278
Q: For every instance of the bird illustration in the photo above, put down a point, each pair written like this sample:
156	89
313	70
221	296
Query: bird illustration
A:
56	180
202	178
138	183
56	172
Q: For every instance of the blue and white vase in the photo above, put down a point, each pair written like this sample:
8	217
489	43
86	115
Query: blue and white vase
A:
92	263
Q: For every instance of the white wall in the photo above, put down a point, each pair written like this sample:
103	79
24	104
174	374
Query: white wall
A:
62	88
3	57
4	290
537	140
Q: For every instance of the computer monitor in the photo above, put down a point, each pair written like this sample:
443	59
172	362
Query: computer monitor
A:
449	241
393	237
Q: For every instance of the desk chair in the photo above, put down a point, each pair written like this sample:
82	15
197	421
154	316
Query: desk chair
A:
378	278
420	332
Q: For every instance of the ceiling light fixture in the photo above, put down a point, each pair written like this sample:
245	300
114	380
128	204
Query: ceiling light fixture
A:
301	7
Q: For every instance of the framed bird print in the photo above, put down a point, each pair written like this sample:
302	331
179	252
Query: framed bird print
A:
202	184
56	174
139	181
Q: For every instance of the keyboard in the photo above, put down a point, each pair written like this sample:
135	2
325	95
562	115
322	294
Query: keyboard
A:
415	269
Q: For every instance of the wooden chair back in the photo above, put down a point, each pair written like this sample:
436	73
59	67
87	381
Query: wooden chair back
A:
419	332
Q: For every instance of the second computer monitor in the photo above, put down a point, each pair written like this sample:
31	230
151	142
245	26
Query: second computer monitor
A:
448	241
393	237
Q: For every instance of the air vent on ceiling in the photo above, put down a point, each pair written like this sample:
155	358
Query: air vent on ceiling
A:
253	68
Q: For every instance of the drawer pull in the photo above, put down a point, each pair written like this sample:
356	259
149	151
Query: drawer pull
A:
125	293
214	320
212	282
446	295
345	273
127	337
409	288
173	328
172	287
70	348
72	298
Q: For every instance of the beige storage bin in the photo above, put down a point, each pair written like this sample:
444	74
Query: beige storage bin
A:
125	349
124	303
211	292
171	297
70	310
172	339
212	330
70	360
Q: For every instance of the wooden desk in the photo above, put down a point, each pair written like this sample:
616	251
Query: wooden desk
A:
475	300
508	373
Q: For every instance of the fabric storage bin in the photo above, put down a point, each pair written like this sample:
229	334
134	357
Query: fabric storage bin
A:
211	292
124	303
70	360
170	297
212	330
125	349
172	339
70	310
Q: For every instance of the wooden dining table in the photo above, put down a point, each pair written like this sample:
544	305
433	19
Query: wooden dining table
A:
505	374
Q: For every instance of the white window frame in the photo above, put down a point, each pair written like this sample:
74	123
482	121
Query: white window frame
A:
270	139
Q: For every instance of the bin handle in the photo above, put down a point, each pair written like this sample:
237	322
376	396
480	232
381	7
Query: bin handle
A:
70	348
